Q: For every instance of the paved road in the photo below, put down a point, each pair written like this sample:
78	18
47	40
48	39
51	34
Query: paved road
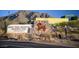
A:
14	44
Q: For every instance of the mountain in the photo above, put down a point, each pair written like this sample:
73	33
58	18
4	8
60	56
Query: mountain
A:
70	17
21	17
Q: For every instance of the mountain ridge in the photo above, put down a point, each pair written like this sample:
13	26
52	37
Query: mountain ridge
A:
21	17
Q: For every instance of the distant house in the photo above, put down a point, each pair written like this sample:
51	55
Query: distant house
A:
53	20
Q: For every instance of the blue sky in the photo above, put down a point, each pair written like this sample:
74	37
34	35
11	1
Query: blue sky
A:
54	13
